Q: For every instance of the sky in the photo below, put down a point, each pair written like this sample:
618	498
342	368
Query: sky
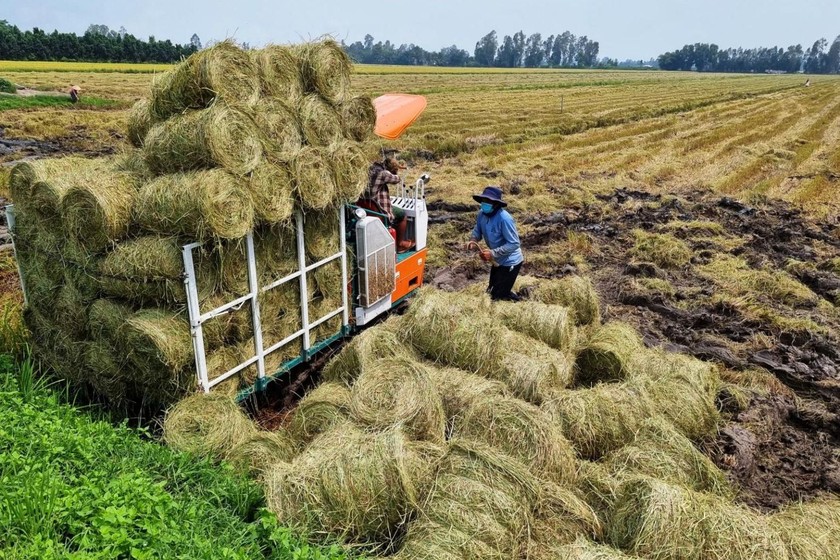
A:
634	29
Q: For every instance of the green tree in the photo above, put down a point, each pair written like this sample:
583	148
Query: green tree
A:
485	49
534	52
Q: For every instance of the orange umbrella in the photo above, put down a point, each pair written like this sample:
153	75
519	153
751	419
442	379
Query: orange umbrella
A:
395	112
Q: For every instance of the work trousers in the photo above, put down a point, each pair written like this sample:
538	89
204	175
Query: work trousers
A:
502	279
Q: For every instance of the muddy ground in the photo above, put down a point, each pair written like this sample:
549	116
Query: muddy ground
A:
785	445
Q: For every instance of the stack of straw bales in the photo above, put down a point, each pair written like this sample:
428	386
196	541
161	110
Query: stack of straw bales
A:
227	142
419	443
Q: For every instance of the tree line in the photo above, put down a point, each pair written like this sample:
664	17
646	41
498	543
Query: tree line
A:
98	44
518	50
705	57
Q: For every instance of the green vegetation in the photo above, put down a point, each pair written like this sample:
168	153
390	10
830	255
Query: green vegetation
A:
6	86
39	101
78	487
662	249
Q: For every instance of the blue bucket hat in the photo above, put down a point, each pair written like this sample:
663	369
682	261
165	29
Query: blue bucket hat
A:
491	194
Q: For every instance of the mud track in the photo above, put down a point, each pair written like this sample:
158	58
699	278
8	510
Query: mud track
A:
784	446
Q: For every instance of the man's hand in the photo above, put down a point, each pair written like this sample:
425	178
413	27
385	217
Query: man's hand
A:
486	255
472	245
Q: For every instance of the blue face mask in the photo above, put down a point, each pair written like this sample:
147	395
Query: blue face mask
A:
487	208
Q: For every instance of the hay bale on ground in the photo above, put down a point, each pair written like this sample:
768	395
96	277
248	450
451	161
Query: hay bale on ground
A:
659	521
325	69
207	425
521	430
198	205
427	540
140	121
107	370
314	179
581	549
663	452
359	118
131	161
319	410
607	353
258	452
349	167
533	370
602	418
599	487
56	181
561	516
279	69
399	392
459	389
221	135
551	324
575	292
280	128
98	213
379	342
150	270
320	124
221	72
810	530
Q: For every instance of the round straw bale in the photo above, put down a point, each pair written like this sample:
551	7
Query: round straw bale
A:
561	516
223	71
319	121
314	179
599	487
319	410
459	389
603	418
349	166
280	128
199	205
325	69
70	311
661	451
55	347
262	449
582	549
279	71
43	277
140	120
521	430
26	174
427	540
810	530
456	331
607	353
98	212
150	269
472	520
34	233
328	282
533	371
321	234
48	193
658	521
551	324
399	392
208	425
220	136
271	186
575	292
133	163
105	318
359	116
275	249
106	370
280	310
375	343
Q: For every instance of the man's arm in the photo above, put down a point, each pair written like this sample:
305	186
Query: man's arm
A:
511	237
389	178
476	232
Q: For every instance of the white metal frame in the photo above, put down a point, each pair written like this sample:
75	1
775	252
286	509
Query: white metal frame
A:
10	222
197	319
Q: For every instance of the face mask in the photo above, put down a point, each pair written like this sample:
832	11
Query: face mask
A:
487	208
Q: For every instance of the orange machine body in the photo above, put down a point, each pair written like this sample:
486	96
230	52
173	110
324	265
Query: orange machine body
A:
409	274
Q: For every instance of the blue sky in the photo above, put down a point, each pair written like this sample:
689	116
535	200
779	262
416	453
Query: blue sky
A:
629	29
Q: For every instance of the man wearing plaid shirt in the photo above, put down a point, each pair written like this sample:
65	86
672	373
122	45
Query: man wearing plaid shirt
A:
380	175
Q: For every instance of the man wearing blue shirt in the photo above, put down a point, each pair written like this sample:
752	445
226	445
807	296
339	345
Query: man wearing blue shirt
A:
496	227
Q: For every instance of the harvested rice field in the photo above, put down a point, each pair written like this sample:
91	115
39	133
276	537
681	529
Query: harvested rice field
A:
670	389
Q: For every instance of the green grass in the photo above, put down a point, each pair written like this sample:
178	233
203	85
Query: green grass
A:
8	102
74	486
6	86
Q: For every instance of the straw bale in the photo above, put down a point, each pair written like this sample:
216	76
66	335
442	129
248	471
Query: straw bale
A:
69	311
271	186
140	120
521	430
378	342
349	167
561	516
533	370
132	162
314	179
320	124
325	69
810	530
26	174
98	212
222	136
150	269
321	234
427	540
359	117
399	392
319	410
107	370
280	129
459	389
581	549
599	487
551	324
279	70
658	521
606	353
222	72
34	233
275	249
261	450
198	205
105	318
575	292
43	277
55	347
208	425
603	418
56	181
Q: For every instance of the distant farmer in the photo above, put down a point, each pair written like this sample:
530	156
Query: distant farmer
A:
380	175
75	93
808	82
495	226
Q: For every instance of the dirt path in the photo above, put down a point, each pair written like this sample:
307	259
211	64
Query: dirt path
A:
783	446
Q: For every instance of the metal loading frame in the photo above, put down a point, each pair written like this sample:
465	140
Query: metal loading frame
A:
197	319
10	221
